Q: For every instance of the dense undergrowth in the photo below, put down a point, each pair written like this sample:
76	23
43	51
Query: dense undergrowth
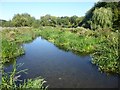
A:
105	54
12	41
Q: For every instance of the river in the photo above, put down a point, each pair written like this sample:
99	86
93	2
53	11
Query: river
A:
62	69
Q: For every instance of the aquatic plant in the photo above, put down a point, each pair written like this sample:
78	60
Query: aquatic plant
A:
9	80
10	50
34	83
106	56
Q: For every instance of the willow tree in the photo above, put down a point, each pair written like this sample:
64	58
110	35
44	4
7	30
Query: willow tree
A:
102	18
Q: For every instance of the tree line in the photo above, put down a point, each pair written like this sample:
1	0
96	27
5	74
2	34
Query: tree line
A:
26	19
101	15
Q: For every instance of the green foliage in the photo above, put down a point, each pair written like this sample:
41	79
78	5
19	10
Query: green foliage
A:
75	20
9	80
106	55
102	18
114	6
64	21
34	83
12	40
78	40
48	20
22	20
69	41
92	20
101	44
10	50
36	24
5	23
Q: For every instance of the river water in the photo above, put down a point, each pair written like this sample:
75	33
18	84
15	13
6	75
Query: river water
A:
62	69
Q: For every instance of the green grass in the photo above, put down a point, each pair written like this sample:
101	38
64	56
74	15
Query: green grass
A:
70	41
12	41
10	50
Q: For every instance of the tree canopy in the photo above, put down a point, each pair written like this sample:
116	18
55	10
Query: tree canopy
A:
102	18
22	20
115	9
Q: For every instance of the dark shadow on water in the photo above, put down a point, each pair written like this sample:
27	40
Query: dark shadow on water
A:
62	69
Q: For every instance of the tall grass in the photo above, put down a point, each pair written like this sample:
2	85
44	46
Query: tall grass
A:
9	80
10	50
70	41
12	41
106	55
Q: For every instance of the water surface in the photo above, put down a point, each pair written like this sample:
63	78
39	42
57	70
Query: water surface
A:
62	69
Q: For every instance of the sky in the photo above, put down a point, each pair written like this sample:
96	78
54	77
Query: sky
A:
50	0
37	9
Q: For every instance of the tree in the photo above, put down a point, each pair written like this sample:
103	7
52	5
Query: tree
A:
2	22
48	20
36	23
75	20
115	8
63	21
22	20
5	23
102	18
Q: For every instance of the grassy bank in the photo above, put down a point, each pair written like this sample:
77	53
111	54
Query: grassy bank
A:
70	41
12	41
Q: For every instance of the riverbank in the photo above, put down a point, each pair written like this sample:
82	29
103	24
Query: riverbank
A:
101	44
